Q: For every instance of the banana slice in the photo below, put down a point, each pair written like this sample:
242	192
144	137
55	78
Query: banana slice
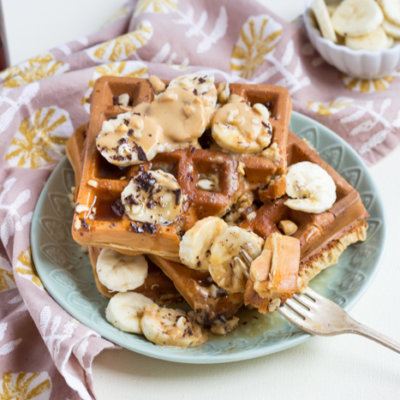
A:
169	327
240	128
153	196
375	40
201	85
125	310
356	17
227	272
324	21
310	187
120	272
391	8
195	243
129	139
391	29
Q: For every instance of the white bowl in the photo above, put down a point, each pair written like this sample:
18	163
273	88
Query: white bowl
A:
363	64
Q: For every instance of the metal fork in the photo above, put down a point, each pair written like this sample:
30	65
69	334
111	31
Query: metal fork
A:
318	315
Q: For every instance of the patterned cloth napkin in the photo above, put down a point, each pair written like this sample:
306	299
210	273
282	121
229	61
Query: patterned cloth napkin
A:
44	350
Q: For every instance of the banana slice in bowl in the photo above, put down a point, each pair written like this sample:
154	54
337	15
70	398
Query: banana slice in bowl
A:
365	30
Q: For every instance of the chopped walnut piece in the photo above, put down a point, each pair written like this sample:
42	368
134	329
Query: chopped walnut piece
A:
157	84
287	227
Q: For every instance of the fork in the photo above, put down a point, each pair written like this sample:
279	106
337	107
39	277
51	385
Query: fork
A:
318	315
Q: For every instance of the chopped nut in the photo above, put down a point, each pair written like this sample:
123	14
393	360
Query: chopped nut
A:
223	92
240	168
262	110
123	99
188	110
81	208
157	84
77	224
274	304
251	216
287	227
168	96
272	153
222	328
93	183
206	184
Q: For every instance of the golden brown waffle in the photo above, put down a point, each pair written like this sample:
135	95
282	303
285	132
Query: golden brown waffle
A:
156	286
323	237
194	286
102	183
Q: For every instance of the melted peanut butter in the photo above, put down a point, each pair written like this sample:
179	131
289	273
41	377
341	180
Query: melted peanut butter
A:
180	113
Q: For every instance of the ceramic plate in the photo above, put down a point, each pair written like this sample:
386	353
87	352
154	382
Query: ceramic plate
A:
66	272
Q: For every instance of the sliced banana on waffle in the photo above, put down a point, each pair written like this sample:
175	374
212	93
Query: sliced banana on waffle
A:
125	310
356	17
196	242
227	272
201	85
152	196
240	128
121	272
129	138
310	187
391	8
324	21
375	40
170	327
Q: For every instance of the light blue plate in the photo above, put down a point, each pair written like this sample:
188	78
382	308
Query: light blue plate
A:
66	272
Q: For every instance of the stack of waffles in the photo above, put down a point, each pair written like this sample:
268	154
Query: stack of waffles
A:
175	179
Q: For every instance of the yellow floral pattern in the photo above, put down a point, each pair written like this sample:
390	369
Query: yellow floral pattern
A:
158	6
25	386
123	46
32	70
366	85
258	37
26	269
37	143
133	69
6	279
330	107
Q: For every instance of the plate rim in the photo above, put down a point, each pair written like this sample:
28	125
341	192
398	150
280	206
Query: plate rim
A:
219	358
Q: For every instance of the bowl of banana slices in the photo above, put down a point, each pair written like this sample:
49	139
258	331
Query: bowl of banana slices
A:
359	37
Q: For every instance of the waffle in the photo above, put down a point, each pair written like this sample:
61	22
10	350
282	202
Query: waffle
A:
102	183
323	237
196	287
156	286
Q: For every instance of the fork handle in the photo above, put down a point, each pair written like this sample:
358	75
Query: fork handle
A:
363	330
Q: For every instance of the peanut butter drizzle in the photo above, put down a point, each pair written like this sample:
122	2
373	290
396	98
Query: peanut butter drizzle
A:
238	112
174	119
180	113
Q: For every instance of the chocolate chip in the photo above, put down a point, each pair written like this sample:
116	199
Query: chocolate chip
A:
126	122
130	132
177	194
136	228
195	92
115	101
264	124
141	153
145	181
121	141
131	200
148	227
201	80
118	208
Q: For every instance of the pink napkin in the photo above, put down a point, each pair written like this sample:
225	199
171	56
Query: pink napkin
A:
44	352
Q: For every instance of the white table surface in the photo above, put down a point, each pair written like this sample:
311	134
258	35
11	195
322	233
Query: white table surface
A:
341	367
